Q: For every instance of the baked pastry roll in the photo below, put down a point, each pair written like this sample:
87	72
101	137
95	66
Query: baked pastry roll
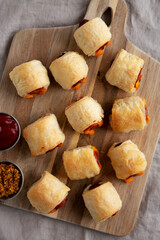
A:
30	79
127	160
43	135
70	70
93	36
82	162
85	115
125	72
129	114
48	194
102	201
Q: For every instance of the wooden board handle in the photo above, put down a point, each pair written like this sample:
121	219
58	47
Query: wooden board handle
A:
96	8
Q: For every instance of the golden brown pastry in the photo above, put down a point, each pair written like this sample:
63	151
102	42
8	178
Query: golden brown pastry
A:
48	194
102	201
125	72
85	115
70	70
43	135
82	162
92	37
129	114
30	79
127	160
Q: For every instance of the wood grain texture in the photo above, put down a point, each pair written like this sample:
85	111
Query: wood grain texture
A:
46	45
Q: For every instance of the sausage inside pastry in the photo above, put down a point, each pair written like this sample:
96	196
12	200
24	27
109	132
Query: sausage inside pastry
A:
127	160
82	162
48	194
85	115
30	79
93	36
129	114
125	72
70	70
102	201
43	135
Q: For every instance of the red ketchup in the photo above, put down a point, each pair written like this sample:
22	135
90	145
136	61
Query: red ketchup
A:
9	131
83	22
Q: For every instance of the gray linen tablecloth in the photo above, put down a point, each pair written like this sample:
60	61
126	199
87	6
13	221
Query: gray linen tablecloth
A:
143	29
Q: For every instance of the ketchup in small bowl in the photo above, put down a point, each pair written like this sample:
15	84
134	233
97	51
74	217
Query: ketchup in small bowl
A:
10	131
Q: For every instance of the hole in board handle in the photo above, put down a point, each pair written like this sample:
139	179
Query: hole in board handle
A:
107	16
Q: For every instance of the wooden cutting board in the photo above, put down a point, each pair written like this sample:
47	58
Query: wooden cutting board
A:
46	45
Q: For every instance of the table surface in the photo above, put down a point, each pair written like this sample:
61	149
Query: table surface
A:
143	29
